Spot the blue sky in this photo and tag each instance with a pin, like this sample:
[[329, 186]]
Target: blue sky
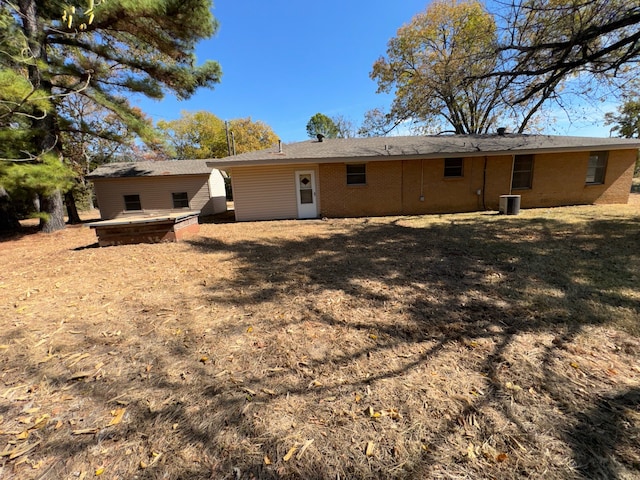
[[284, 61]]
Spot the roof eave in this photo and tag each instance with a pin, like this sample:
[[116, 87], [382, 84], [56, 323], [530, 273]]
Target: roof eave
[[116, 177], [283, 160]]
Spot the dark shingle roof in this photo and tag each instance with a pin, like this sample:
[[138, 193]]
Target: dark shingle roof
[[437, 146], [151, 169]]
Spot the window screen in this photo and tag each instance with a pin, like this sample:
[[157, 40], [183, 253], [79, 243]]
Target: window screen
[[132, 202], [453, 167], [522, 172], [180, 200], [356, 174], [596, 168]]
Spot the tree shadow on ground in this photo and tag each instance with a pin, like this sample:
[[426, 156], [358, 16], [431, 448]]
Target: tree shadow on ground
[[605, 438], [412, 338], [452, 283]]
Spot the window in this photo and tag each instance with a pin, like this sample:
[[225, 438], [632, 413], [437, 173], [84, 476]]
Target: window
[[453, 167], [597, 167], [132, 202], [180, 200], [356, 174], [522, 172]]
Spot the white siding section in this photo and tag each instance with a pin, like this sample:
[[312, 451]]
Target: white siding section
[[217, 192], [267, 192], [155, 193]]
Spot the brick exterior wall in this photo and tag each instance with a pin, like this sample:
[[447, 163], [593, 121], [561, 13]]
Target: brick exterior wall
[[396, 187], [382, 195]]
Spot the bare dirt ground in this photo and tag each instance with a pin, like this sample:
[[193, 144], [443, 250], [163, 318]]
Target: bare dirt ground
[[445, 346]]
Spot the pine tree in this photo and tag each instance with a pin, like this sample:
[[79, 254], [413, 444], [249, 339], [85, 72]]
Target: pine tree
[[101, 51]]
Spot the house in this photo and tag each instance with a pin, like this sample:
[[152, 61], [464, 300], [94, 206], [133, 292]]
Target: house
[[164, 186], [427, 174]]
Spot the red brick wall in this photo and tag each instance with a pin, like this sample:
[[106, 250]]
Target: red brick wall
[[395, 187], [559, 179], [382, 195]]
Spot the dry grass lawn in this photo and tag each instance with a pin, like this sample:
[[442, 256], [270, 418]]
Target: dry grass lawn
[[451, 346]]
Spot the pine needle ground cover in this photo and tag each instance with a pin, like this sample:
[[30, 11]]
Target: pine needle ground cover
[[453, 346]]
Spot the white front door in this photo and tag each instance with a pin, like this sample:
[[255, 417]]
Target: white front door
[[306, 194]]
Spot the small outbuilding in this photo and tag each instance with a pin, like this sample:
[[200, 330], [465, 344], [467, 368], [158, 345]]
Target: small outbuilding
[[427, 174], [134, 188]]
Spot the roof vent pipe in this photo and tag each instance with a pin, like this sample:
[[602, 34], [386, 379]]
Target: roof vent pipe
[[502, 131], [320, 137], [279, 146]]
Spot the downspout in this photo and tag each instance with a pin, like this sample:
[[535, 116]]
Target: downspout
[[402, 187], [513, 166], [484, 183], [422, 180]]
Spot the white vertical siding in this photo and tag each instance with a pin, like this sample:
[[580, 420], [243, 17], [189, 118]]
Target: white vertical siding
[[217, 193], [155, 192], [267, 192]]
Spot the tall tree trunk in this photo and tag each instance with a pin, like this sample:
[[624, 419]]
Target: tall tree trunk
[[45, 122], [72, 209], [8, 218], [54, 208]]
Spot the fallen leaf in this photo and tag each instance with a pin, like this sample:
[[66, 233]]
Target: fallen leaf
[[250, 329], [368, 451], [393, 413], [118, 413], [41, 421], [23, 435], [204, 359], [99, 471], [267, 460], [501, 457], [574, 365], [373, 336], [372, 413], [289, 454]]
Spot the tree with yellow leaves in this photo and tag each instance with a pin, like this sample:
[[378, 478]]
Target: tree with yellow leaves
[[429, 62], [204, 135]]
